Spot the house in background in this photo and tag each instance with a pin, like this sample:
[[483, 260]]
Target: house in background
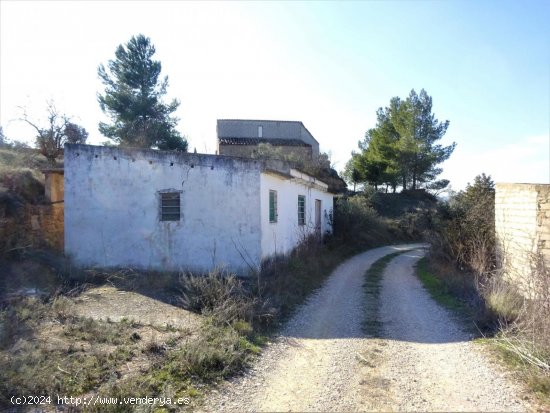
[[145, 208], [239, 137]]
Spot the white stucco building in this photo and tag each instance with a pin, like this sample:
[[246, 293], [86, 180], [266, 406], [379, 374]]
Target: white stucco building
[[172, 211]]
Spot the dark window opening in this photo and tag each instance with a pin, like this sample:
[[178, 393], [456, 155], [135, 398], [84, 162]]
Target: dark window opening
[[170, 206]]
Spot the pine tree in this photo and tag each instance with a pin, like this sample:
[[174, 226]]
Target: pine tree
[[133, 99], [403, 147]]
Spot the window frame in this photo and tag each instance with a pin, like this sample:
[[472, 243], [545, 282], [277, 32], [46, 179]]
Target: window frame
[[166, 197], [301, 210], [273, 215]]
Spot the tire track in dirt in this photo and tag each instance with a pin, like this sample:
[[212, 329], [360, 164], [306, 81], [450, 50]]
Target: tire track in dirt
[[425, 360], [312, 365], [322, 361]]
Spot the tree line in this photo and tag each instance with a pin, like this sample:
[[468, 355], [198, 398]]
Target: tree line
[[132, 100], [402, 150]]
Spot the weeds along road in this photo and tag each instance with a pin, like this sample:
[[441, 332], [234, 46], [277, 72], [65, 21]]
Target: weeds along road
[[323, 361]]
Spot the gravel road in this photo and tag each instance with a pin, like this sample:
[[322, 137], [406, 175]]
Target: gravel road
[[425, 361], [322, 360]]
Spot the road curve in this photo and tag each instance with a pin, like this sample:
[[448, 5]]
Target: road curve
[[322, 360]]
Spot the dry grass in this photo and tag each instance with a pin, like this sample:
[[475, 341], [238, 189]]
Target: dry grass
[[504, 300], [46, 350], [525, 314], [269, 296], [218, 294]]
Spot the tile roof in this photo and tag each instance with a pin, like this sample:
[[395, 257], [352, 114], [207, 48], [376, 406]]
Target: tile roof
[[256, 141]]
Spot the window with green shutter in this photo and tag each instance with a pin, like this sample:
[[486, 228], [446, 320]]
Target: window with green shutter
[[301, 210], [272, 206]]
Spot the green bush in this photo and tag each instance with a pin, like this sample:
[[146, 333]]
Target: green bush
[[356, 222], [465, 228]]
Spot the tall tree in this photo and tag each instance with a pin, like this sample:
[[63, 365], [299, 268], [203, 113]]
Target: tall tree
[[133, 99], [403, 145], [419, 132], [378, 160]]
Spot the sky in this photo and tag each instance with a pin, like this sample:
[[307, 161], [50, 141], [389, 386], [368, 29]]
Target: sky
[[331, 65]]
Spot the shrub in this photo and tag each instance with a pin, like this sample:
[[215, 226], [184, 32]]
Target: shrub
[[218, 352], [219, 294], [465, 228], [355, 221]]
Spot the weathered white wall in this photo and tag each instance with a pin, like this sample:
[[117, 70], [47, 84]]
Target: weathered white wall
[[112, 209], [522, 224], [285, 234]]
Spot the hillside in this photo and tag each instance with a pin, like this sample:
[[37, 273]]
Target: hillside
[[397, 205], [21, 174]]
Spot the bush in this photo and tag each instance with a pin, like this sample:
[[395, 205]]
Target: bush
[[219, 294], [218, 352], [465, 229], [356, 222]]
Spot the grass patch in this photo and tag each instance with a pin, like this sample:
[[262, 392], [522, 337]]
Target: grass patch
[[372, 287], [470, 317], [47, 351], [71, 358], [185, 369], [437, 288]]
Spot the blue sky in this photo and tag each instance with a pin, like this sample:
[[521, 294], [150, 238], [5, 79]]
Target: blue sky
[[329, 64]]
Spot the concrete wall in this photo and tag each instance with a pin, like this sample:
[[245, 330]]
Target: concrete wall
[[522, 223], [246, 151], [112, 209], [244, 128], [282, 236]]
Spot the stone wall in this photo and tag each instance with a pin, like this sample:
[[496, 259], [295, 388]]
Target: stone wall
[[522, 223]]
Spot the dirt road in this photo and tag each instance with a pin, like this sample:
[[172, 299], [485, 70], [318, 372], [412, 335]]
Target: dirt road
[[322, 360]]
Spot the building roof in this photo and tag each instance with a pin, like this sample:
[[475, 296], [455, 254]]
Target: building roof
[[296, 122], [256, 141]]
